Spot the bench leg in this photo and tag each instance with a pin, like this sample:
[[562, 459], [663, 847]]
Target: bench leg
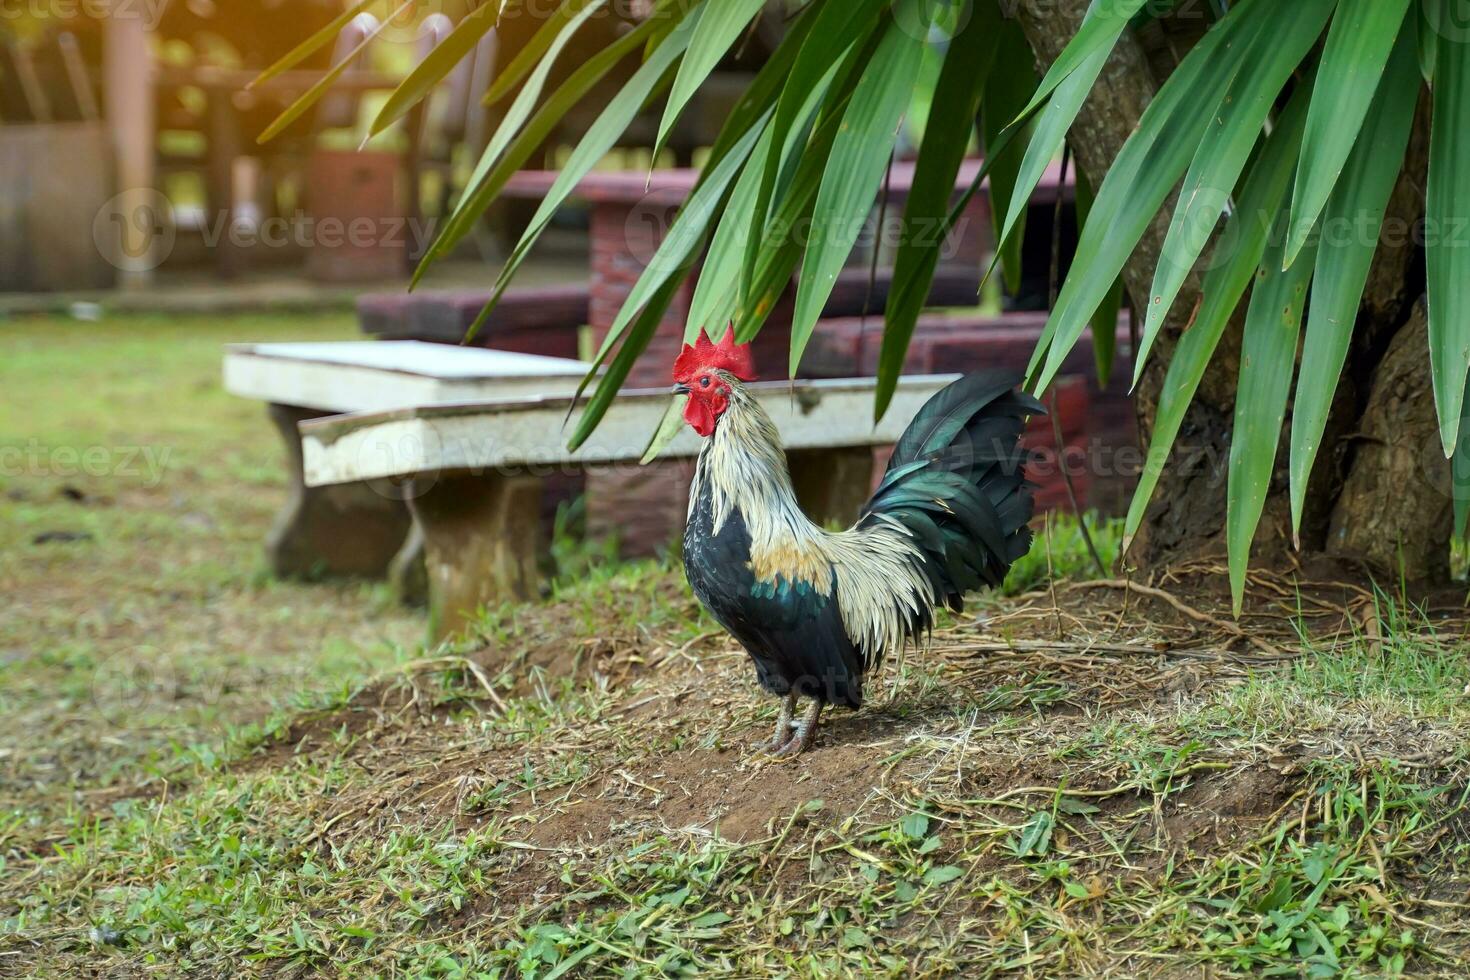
[[832, 484], [349, 529], [480, 544]]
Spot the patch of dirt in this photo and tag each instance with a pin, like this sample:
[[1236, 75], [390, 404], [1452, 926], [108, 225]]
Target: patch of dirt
[[1223, 808], [718, 791]]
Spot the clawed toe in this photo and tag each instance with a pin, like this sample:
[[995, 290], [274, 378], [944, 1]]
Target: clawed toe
[[793, 748], [772, 746]]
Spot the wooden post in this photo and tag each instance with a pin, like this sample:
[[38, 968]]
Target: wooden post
[[225, 145], [127, 73], [832, 484], [481, 539], [348, 529]]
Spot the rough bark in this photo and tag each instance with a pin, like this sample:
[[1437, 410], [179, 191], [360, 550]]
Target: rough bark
[[1395, 511]]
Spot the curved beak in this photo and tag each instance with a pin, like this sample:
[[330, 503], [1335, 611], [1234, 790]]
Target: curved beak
[[680, 389]]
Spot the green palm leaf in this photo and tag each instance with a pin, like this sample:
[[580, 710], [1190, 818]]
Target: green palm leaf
[[432, 71], [1099, 31], [718, 27], [1238, 255], [1011, 83], [600, 138], [968, 65], [853, 173], [1233, 129], [1145, 171], [731, 149], [716, 291], [1349, 239], [782, 248], [680, 247], [1428, 40], [839, 27], [742, 130], [1268, 357], [1358, 46], [1105, 320], [1048, 134], [477, 197], [508, 75], [520, 110], [610, 382], [314, 94], [313, 44], [1447, 259], [1460, 473]]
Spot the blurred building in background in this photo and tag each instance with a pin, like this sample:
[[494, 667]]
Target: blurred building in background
[[128, 136]]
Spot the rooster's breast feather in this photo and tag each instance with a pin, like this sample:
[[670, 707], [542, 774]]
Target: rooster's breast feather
[[791, 625]]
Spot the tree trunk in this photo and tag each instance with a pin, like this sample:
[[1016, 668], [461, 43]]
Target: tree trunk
[[1377, 404], [1395, 512]]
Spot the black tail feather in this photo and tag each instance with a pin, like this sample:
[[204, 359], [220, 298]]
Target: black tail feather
[[956, 482]]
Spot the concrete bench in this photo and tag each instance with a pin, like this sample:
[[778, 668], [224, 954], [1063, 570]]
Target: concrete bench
[[362, 528], [474, 471]]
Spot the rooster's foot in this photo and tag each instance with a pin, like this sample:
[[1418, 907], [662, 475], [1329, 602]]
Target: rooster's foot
[[784, 733], [803, 734]]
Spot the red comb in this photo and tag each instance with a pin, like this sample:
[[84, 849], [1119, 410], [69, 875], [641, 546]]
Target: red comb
[[724, 356]]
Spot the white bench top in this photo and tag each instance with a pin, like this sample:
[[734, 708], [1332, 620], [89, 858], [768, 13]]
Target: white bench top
[[378, 375], [524, 433]]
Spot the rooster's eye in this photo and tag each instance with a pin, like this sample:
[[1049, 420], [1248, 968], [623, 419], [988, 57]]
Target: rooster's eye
[[704, 381]]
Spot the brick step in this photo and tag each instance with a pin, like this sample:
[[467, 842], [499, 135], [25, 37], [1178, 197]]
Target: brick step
[[543, 320]]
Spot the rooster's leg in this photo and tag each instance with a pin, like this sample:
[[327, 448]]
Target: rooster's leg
[[783, 726], [805, 732]]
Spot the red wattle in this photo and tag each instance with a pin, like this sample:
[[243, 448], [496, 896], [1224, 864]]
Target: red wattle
[[700, 417]]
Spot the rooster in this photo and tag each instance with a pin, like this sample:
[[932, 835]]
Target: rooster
[[818, 610]]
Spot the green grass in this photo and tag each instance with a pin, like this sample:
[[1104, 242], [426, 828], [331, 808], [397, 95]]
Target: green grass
[[1060, 551], [1351, 867], [156, 623], [207, 772]]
